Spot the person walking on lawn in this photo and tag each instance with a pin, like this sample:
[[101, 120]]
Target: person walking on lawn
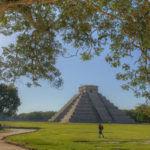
[[100, 126]]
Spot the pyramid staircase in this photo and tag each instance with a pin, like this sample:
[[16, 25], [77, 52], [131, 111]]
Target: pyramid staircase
[[60, 114]]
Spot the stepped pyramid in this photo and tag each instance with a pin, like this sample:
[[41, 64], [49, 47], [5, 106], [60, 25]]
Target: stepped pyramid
[[91, 107]]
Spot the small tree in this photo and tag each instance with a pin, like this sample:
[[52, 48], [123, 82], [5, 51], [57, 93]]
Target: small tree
[[9, 100], [143, 113]]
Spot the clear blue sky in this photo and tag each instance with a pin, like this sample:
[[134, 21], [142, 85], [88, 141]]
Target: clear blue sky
[[75, 73]]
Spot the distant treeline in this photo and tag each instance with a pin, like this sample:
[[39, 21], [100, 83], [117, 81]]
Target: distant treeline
[[36, 116], [140, 114], [32, 116]]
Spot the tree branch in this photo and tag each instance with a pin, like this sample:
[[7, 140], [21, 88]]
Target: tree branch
[[6, 5], [102, 12]]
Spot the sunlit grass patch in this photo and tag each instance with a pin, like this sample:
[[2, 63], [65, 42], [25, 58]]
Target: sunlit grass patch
[[75, 136]]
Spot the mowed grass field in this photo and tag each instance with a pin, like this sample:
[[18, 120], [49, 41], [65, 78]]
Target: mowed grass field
[[74, 136]]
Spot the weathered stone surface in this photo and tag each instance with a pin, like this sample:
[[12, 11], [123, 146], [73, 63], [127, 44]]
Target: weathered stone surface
[[60, 114], [90, 106]]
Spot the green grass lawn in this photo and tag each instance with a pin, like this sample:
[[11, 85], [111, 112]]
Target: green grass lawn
[[55, 136]]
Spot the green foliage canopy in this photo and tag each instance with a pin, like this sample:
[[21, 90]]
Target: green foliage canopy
[[143, 113], [9, 100], [36, 49], [86, 24], [140, 114]]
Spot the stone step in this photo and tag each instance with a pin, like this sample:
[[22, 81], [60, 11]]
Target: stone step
[[71, 111], [59, 115], [84, 119], [84, 109], [83, 115], [100, 107], [84, 106], [117, 115]]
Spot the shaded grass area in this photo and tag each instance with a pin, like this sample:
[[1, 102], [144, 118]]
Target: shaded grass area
[[4, 130], [73, 136]]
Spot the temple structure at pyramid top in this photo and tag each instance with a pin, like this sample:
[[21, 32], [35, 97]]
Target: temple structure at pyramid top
[[88, 88], [89, 106]]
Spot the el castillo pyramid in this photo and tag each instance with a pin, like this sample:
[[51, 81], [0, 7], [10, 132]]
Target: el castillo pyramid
[[89, 106]]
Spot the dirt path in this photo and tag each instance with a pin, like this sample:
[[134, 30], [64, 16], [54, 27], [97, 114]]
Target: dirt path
[[6, 146]]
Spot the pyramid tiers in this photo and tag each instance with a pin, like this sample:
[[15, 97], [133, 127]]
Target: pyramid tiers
[[89, 106]]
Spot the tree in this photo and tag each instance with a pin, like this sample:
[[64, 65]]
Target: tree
[[35, 53], [36, 116], [86, 24], [143, 113], [9, 100], [124, 25], [132, 114]]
